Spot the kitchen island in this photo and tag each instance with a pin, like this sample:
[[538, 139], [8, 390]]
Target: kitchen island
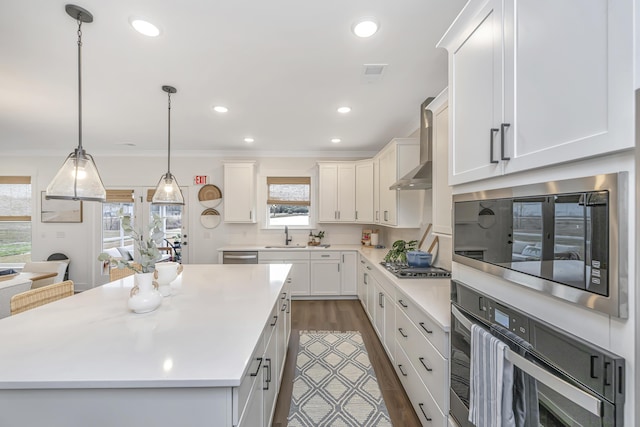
[[87, 360]]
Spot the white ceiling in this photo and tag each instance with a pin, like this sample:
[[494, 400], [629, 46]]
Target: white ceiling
[[282, 67]]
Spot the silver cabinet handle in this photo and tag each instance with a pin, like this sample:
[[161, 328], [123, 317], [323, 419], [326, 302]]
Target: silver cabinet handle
[[377, 215], [250, 214], [421, 359], [402, 303], [365, 279], [402, 332], [356, 215]]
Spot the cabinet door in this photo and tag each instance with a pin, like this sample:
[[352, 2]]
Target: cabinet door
[[239, 192], [476, 79], [376, 191], [349, 273], [364, 192], [346, 191], [389, 325], [327, 193], [379, 310], [270, 377], [372, 296], [577, 102], [254, 411], [299, 278], [325, 277], [441, 194], [388, 198]]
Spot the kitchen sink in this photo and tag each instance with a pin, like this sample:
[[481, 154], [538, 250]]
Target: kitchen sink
[[285, 247]]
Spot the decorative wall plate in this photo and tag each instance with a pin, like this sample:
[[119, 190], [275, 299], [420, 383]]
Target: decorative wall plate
[[210, 218], [210, 196]]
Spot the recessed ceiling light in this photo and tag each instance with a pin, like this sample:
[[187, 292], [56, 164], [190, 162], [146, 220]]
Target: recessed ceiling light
[[249, 140], [365, 27], [344, 110], [220, 109], [145, 27], [336, 140]]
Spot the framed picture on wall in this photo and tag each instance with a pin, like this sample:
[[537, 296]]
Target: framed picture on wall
[[60, 210]]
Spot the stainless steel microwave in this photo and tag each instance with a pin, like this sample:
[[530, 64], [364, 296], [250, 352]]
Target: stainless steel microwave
[[565, 238]]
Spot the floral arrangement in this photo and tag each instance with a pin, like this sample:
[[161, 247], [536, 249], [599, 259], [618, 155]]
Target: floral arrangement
[[147, 250], [314, 239]]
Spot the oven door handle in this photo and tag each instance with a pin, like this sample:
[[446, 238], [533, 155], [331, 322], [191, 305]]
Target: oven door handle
[[569, 391]]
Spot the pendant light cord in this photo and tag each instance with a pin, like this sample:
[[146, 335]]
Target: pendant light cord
[[169, 136], [79, 85]]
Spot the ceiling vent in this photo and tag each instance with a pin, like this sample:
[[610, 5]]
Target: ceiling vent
[[372, 72]]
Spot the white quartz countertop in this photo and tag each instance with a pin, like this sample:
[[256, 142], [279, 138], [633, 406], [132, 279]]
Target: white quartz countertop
[[296, 248], [432, 295], [202, 335]]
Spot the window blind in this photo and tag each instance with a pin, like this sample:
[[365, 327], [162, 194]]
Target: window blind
[[15, 198], [119, 196], [289, 190]]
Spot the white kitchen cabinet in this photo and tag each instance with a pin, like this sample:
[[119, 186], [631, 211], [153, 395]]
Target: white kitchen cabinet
[[349, 273], [239, 193], [534, 83], [385, 317], [298, 280], [441, 193], [325, 273], [364, 192], [400, 209], [337, 192], [376, 190], [270, 373]]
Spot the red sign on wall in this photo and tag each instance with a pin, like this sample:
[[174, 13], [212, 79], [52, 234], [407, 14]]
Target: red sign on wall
[[200, 179]]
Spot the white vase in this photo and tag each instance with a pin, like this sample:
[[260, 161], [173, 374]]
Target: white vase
[[144, 296], [165, 273]]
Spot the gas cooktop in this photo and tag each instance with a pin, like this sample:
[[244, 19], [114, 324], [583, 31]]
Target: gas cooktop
[[403, 271]]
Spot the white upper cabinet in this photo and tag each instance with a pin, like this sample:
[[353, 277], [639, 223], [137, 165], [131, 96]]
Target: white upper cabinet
[[239, 192], [441, 192], [337, 192], [399, 208], [364, 192], [376, 190], [538, 82]]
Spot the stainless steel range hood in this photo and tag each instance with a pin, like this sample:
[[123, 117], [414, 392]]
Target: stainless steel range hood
[[421, 177]]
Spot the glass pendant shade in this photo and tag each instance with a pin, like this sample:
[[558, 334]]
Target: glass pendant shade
[[168, 192], [77, 179]]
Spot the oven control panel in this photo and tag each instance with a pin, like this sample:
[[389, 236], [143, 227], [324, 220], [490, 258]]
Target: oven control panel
[[509, 319]]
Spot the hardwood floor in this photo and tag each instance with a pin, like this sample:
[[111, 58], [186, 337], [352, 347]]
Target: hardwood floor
[[343, 315]]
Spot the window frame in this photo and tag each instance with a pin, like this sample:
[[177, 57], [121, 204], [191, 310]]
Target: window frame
[[264, 198], [21, 180]]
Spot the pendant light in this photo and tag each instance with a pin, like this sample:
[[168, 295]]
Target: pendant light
[[78, 178], [168, 192]]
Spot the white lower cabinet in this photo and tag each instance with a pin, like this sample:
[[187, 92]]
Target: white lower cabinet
[[299, 275], [416, 345], [259, 389], [348, 273], [325, 273]]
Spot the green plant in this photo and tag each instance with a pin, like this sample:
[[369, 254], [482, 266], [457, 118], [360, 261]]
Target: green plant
[[320, 235], [147, 250], [399, 249]]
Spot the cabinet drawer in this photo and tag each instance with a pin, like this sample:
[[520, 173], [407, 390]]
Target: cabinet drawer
[[283, 255], [254, 372], [421, 400], [430, 329], [430, 366], [325, 255]]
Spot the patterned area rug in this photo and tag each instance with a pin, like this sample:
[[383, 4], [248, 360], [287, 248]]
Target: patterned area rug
[[334, 384]]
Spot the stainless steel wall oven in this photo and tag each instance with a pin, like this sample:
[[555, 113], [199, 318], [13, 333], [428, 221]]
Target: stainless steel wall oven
[[565, 238], [564, 381]]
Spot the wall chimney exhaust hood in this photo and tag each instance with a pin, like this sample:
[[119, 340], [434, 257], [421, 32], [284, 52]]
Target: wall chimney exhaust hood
[[421, 177]]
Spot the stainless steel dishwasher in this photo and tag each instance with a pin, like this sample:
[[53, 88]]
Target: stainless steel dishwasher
[[240, 257]]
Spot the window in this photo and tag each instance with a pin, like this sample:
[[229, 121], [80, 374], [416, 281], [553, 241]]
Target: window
[[288, 201], [15, 218], [113, 236]]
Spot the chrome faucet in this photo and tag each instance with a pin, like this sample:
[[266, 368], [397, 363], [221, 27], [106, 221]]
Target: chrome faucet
[[287, 239]]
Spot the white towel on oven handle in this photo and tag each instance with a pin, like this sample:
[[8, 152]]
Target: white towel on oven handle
[[491, 388]]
